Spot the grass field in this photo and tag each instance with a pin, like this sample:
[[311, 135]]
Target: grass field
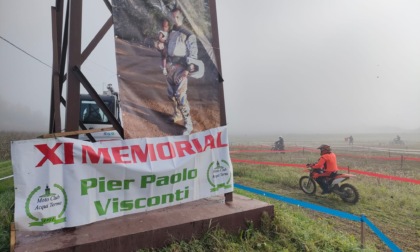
[[6, 186], [394, 207]]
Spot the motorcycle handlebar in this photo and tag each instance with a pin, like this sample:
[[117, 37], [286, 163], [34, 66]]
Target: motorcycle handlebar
[[311, 169]]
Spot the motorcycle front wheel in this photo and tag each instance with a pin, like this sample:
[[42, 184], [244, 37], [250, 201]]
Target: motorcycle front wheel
[[349, 193], [307, 185]]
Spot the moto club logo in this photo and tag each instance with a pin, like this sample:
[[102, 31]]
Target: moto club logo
[[219, 176], [46, 206]]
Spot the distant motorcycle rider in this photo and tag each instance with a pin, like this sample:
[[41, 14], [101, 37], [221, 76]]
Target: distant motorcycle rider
[[279, 144], [327, 165]]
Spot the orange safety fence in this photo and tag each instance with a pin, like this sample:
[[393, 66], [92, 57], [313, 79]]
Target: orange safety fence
[[371, 174]]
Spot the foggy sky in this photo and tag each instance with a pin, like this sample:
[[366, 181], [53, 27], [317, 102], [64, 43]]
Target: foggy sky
[[289, 66]]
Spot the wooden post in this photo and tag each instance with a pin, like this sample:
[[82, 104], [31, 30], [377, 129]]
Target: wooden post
[[216, 48], [74, 59], [402, 161], [362, 231], [12, 237], [57, 23]]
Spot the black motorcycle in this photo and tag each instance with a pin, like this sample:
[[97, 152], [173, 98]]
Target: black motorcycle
[[277, 147]]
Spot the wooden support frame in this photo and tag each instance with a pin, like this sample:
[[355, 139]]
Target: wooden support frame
[[57, 23], [98, 101], [70, 40], [74, 59], [78, 132]]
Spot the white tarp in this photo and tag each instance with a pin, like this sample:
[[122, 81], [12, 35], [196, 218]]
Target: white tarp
[[66, 182]]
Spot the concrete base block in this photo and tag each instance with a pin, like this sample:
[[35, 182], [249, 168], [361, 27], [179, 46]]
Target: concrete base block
[[152, 229]]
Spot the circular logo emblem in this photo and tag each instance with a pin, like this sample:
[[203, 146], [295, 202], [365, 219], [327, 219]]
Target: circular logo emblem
[[47, 206], [219, 176]]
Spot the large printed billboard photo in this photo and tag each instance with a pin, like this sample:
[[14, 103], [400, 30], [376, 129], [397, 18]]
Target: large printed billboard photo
[[169, 81]]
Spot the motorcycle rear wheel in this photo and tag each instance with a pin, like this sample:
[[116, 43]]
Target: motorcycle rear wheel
[[307, 185], [349, 193]]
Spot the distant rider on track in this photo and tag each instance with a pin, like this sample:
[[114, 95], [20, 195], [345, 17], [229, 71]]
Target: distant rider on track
[[279, 144]]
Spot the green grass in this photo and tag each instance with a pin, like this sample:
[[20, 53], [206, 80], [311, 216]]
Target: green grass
[[394, 207], [5, 171], [6, 139], [7, 196], [292, 229]]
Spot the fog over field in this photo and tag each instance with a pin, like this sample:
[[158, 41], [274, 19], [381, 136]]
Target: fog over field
[[289, 67]]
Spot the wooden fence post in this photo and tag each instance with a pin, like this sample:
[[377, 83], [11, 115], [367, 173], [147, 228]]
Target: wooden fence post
[[362, 231]]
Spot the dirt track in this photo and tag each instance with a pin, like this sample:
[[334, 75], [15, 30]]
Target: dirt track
[[145, 106]]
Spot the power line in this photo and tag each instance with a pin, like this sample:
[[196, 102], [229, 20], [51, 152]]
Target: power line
[[20, 49], [25, 52]]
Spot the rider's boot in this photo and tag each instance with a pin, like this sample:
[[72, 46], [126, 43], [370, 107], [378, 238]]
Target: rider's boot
[[187, 122], [188, 126], [323, 184], [177, 116]]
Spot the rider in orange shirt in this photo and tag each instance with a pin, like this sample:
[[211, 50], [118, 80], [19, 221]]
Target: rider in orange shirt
[[327, 165]]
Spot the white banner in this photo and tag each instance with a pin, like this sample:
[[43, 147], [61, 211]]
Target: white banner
[[66, 182]]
